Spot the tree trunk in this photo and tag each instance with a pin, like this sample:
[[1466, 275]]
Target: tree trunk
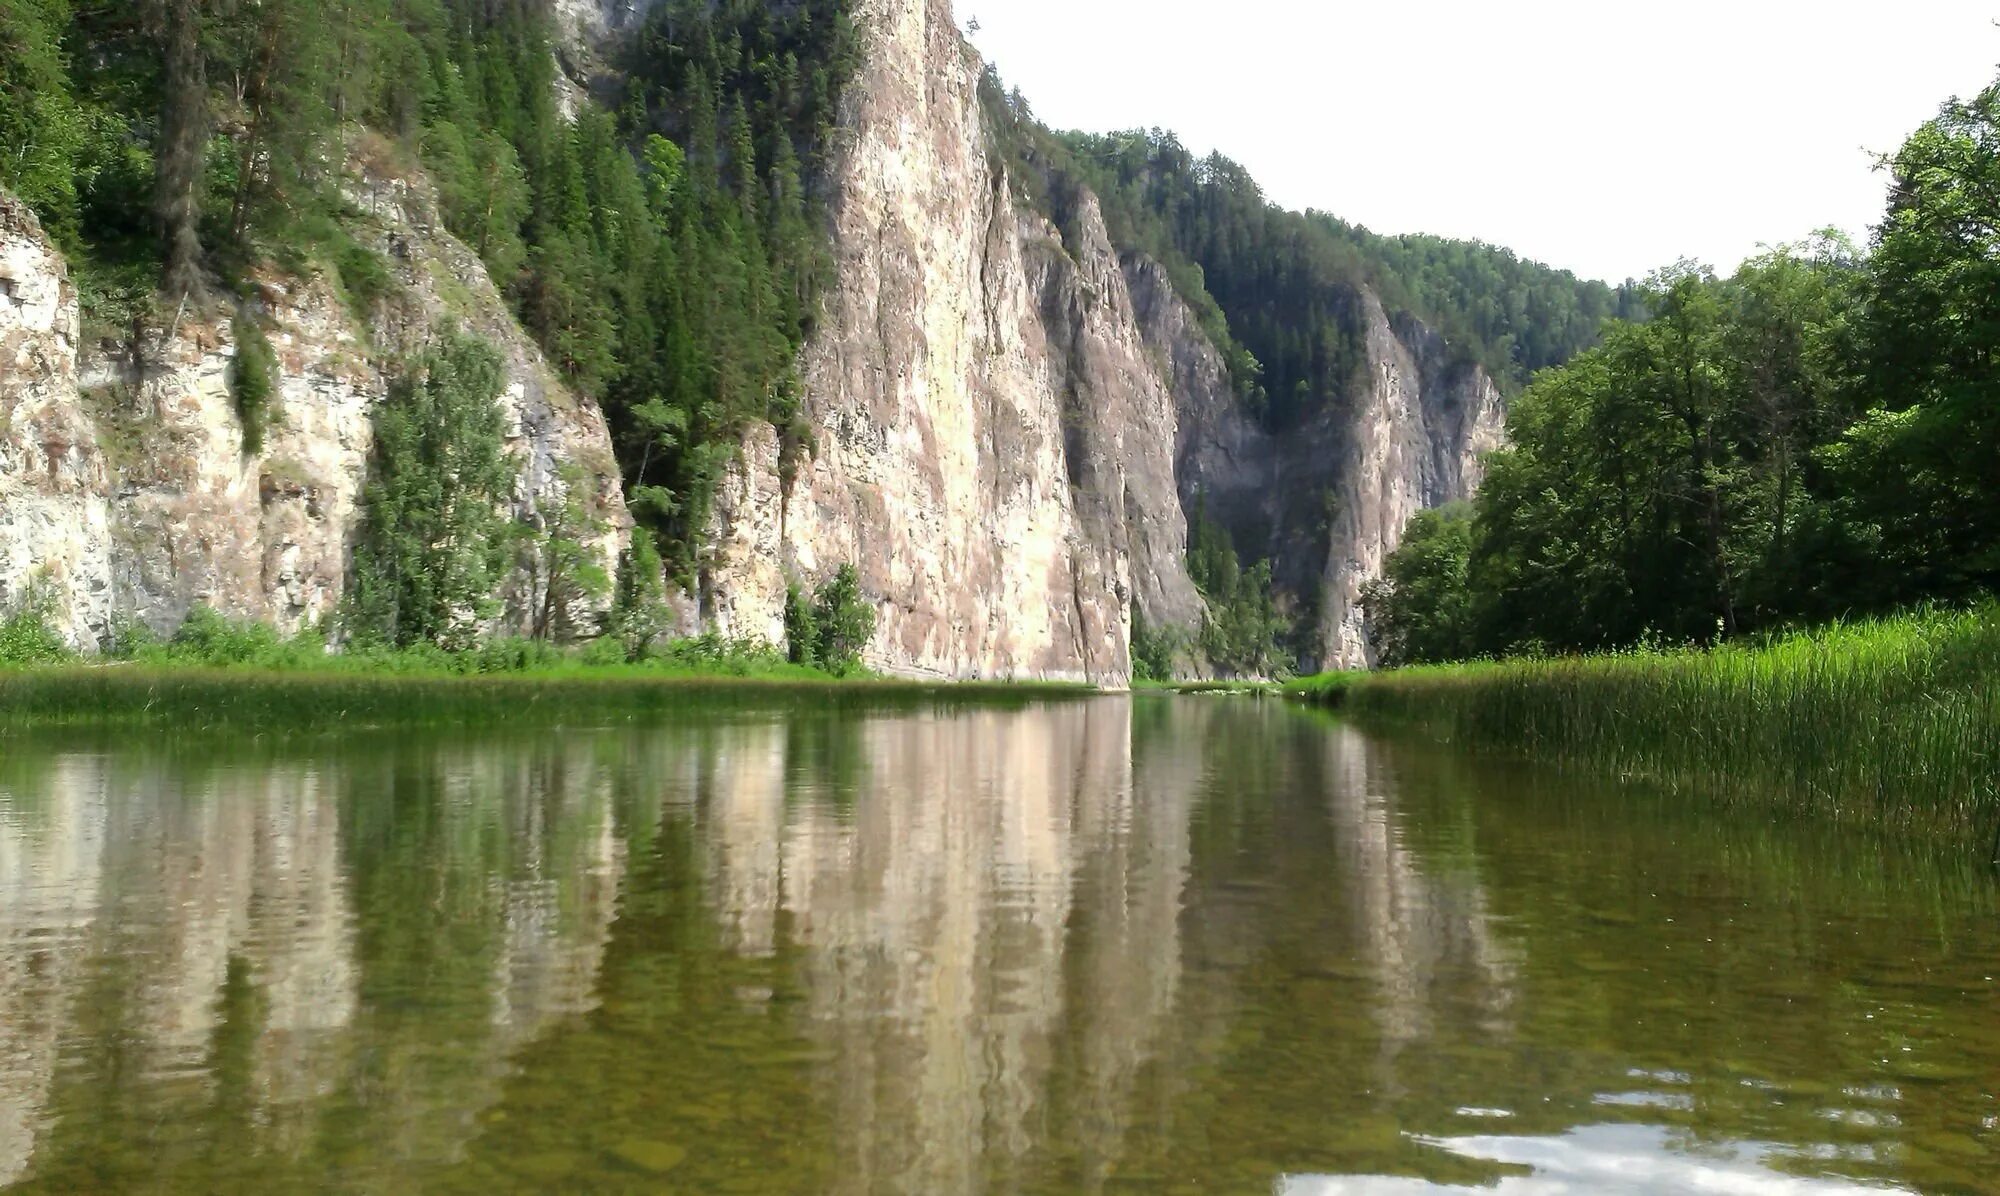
[[256, 97], [183, 144]]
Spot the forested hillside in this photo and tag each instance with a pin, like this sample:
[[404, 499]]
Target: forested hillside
[[1814, 436], [663, 250], [1281, 291]]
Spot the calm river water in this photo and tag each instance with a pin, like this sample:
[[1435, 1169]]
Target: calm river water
[[1149, 944]]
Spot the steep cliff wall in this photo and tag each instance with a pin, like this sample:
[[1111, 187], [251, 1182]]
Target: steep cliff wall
[[125, 483], [1413, 441], [1327, 501], [1014, 419], [55, 525], [994, 444]]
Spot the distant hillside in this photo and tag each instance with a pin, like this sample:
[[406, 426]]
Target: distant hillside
[[1281, 291]]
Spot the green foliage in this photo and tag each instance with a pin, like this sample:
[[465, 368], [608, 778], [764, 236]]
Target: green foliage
[[206, 637], [433, 544], [417, 688], [26, 637], [801, 627], [252, 380], [1281, 293], [842, 620], [1420, 610], [1512, 317], [562, 558], [365, 279], [1894, 723], [1154, 649], [41, 125], [830, 630], [1816, 436], [715, 287], [1916, 475], [1325, 689], [1242, 632], [640, 617], [1664, 487], [667, 258]]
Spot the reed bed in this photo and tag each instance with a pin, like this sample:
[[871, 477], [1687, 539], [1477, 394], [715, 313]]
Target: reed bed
[[1325, 689], [1892, 722]]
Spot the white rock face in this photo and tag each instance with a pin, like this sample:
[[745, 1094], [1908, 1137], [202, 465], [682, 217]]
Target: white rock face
[[1326, 502], [994, 445], [1013, 418], [125, 483], [1414, 442], [54, 519]]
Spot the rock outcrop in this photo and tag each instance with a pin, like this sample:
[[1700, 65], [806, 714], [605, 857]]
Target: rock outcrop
[[994, 445], [1016, 419], [1327, 501], [126, 486], [55, 528]]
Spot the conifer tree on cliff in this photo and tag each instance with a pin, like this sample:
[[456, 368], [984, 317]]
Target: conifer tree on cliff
[[183, 142]]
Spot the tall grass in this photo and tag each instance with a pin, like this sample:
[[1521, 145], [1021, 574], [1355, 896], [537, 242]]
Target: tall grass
[[1892, 722], [1326, 689]]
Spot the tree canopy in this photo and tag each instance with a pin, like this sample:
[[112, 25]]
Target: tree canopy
[[1815, 436]]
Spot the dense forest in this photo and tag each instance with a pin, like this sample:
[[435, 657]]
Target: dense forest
[[664, 248], [1281, 292], [1815, 436]]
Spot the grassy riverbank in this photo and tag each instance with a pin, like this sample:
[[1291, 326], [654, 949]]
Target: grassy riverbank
[[218, 673], [1251, 687], [1894, 722], [314, 700]]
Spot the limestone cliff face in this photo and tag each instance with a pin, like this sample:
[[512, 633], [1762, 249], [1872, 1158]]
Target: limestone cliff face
[[1015, 419], [994, 444], [126, 489], [54, 492], [1326, 502], [1414, 441]]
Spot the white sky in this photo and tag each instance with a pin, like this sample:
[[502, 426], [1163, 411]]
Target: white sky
[[1605, 136]]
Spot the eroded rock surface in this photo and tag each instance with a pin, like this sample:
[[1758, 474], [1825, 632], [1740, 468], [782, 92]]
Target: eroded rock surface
[[994, 447], [126, 486]]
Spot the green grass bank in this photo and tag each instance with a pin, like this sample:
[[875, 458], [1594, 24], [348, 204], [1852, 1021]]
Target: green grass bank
[[307, 701], [219, 673], [1893, 723]]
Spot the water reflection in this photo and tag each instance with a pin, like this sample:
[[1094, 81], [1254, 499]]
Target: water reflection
[[1172, 945], [1598, 1158]]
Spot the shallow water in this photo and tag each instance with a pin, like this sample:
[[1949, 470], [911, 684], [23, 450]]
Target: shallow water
[[1175, 944]]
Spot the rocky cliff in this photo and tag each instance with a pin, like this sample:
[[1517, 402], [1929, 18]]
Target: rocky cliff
[[1327, 501], [994, 443], [1014, 417], [126, 486]]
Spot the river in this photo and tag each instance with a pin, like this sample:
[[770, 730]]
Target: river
[[1111, 944]]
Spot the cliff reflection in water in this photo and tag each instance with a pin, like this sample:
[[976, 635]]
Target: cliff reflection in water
[[1150, 942]]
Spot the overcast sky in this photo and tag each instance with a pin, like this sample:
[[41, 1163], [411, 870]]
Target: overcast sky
[[1605, 136]]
